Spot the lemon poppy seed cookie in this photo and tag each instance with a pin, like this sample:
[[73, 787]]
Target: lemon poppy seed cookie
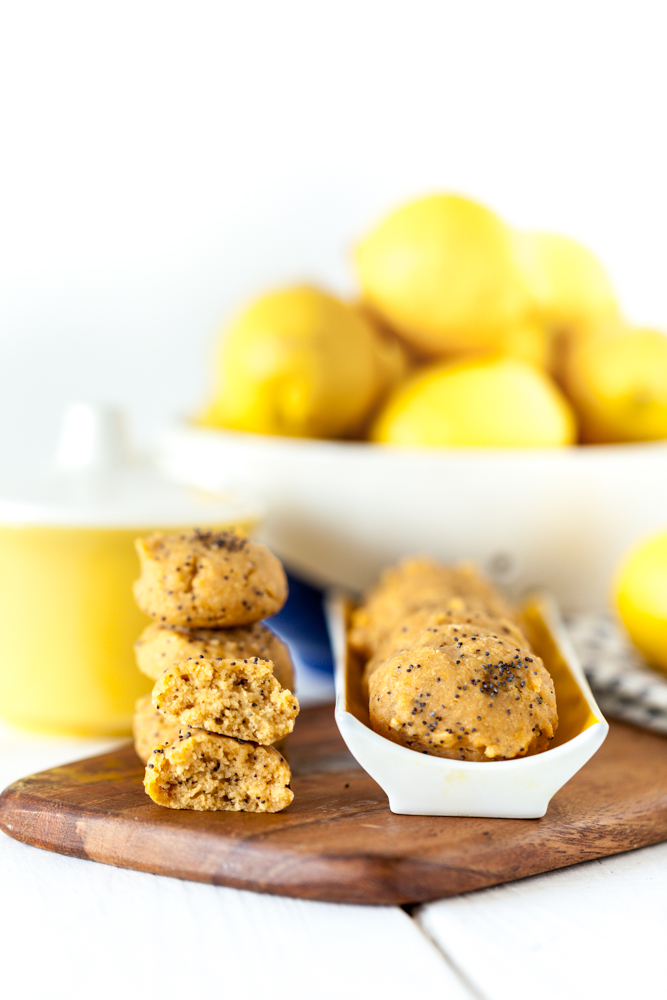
[[204, 771], [413, 585], [159, 646], [150, 728], [239, 698], [468, 694], [420, 628], [207, 579]]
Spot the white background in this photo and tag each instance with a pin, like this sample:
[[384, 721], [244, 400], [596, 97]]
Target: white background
[[159, 163], [162, 162]]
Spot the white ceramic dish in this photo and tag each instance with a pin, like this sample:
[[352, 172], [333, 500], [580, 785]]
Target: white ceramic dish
[[338, 512], [417, 784]]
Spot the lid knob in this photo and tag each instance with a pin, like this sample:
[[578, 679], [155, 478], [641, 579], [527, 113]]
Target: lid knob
[[92, 437]]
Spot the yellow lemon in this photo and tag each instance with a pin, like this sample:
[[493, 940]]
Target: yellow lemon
[[573, 295], [529, 340], [568, 283], [443, 272], [488, 402], [640, 592], [392, 356], [618, 386], [297, 362]]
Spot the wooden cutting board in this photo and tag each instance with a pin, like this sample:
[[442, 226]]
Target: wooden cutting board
[[338, 840]]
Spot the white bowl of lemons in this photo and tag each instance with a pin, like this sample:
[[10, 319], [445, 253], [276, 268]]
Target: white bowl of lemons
[[445, 412]]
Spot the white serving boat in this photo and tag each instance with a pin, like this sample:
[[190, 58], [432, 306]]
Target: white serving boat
[[419, 784]]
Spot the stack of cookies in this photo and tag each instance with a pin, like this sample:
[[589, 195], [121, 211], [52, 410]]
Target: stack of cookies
[[448, 668], [223, 680]]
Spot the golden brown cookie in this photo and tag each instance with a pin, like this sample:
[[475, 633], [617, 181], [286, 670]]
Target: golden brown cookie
[[239, 698], [208, 579], [465, 693], [159, 646], [204, 771], [419, 627], [150, 728], [420, 583]]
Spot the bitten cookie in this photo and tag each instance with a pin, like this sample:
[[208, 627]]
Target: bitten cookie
[[159, 646], [150, 728], [207, 579], [465, 693], [239, 698], [204, 771], [415, 584]]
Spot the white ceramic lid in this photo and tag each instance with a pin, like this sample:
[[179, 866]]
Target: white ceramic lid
[[95, 481]]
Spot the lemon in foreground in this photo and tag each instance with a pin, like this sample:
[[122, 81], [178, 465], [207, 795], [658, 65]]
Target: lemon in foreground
[[568, 283], [489, 402], [640, 591], [618, 386], [443, 272], [298, 362]]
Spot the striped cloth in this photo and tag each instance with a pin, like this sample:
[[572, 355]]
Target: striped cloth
[[624, 686]]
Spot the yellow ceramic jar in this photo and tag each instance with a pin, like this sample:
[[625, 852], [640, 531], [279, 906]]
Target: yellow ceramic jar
[[67, 562]]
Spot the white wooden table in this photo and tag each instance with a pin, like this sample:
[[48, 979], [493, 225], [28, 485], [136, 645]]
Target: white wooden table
[[76, 929]]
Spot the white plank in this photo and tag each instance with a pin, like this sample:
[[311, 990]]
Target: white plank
[[71, 929], [593, 930]]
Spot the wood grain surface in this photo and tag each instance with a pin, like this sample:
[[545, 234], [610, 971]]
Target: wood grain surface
[[338, 840]]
